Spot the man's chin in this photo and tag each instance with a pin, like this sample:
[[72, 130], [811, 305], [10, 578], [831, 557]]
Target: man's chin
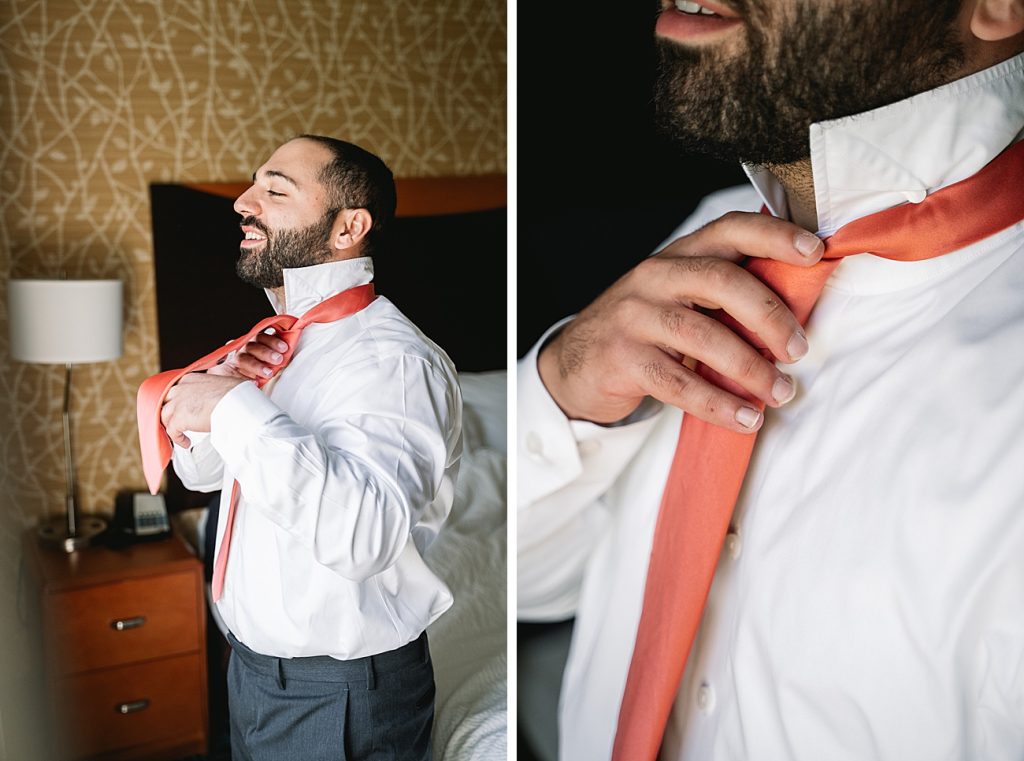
[[257, 282], [255, 277], [708, 126], [732, 152]]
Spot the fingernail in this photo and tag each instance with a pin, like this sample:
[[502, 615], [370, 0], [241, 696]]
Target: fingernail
[[797, 345], [807, 243], [748, 417], [783, 390], [275, 357], [282, 346], [267, 371]]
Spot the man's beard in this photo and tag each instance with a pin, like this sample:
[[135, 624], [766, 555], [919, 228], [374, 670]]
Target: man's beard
[[823, 61], [265, 267]]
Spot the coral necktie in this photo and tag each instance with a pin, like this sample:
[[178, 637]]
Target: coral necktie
[[710, 462], [153, 440]]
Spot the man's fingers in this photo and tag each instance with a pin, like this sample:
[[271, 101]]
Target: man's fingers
[[720, 284], [252, 367], [704, 338], [672, 383], [167, 420], [740, 234], [753, 304], [271, 342], [262, 352], [261, 357]]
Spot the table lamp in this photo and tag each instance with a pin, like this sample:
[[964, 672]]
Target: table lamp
[[66, 322]]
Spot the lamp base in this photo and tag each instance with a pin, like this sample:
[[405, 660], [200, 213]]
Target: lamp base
[[54, 532]]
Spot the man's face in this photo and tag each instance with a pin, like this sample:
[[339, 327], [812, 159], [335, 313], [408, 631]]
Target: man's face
[[748, 82], [285, 216]]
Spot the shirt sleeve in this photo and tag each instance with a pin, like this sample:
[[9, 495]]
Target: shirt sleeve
[[351, 489], [565, 468], [199, 467]]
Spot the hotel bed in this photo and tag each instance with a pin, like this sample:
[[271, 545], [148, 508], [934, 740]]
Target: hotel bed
[[447, 272]]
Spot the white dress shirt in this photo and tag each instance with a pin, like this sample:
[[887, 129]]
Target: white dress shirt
[[347, 471], [869, 602]]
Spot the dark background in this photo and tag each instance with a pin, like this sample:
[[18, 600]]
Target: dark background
[[598, 187], [201, 303]]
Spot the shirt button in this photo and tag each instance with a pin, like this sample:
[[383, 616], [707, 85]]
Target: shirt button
[[733, 545], [534, 445], [589, 447], [705, 698]]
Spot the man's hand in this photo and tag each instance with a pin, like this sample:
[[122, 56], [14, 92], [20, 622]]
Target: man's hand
[[190, 403], [632, 340], [257, 360]]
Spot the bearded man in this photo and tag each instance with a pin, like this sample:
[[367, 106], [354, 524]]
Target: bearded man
[[863, 592], [335, 476]]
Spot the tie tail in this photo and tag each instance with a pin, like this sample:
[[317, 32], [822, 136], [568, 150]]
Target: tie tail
[[153, 442], [153, 479]]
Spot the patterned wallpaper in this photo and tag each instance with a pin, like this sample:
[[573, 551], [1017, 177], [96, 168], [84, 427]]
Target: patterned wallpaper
[[99, 99]]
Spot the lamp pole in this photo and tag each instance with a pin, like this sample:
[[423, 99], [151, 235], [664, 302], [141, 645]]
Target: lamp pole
[[68, 532], [69, 463]]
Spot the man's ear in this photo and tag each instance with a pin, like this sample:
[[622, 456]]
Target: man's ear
[[995, 20], [348, 231]]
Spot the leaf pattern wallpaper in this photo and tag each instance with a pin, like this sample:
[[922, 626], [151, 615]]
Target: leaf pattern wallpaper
[[100, 98]]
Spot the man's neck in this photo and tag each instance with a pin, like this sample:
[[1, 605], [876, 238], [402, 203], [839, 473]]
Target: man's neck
[[279, 295], [798, 182]]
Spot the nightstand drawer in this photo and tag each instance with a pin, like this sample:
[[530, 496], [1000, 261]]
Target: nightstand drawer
[[134, 706], [126, 621]]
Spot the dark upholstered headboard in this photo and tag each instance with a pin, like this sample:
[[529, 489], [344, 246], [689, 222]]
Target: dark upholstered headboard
[[444, 268]]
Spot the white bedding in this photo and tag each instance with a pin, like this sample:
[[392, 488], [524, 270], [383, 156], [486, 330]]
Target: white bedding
[[467, 644]]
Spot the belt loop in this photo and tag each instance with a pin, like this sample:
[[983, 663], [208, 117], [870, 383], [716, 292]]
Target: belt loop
[[280, 672], [371, 676]]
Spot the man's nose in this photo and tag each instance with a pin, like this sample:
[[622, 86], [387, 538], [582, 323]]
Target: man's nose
[[246, 204]]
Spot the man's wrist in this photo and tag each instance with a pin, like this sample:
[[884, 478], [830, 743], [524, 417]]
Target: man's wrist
[[551, 373], [554, 381]]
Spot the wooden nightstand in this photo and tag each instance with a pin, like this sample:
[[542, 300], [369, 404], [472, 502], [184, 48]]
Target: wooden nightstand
[[124, 648]]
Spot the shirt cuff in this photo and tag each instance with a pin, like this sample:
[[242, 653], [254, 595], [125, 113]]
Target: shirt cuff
[[196, 437], [553, 450], [548, 456], [239, 416]]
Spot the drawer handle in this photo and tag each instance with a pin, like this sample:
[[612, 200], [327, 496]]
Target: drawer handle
[[123, 624], [132, 706]]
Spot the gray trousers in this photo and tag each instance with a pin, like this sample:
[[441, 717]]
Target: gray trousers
[[322, 709]]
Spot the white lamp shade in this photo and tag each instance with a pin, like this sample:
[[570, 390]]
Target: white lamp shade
[[65, 321]]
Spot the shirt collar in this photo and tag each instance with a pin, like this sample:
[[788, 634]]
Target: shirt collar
[[305, 287], [901, 152]]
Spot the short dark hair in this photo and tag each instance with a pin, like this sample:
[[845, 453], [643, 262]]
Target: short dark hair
[[357, 179]]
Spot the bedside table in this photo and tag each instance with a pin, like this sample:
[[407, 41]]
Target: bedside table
[[124, 648]]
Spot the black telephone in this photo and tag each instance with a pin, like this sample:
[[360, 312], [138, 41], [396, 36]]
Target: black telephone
[[140, 517]]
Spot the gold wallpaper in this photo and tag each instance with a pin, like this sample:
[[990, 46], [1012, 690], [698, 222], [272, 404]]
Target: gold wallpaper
[[99, 98]]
